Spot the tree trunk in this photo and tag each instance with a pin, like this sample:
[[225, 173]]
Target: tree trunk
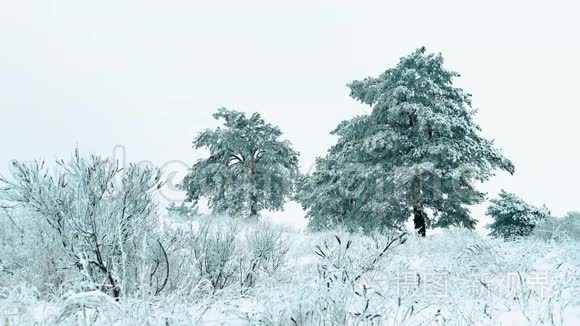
[[419, 220], [116, 289], [253, 196], [419, 215], [253, 206]]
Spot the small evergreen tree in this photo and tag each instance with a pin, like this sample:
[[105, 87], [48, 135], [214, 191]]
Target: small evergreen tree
[[418, 151], [513, 217], [249, 168], [182, 210]]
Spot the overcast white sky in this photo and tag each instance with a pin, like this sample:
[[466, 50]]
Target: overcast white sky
[[148, 75]]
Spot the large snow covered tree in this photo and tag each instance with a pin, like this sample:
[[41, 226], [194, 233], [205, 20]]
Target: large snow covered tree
[[249, 167], [418, 152], [513, 217]]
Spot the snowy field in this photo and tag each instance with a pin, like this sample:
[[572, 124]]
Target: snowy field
[[223, 272]]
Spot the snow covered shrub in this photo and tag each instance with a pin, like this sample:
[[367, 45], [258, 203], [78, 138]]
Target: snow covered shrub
[[214, 247], [549, 229], [513, 217], [101, 216], [87, 306], [267, 247], [346, 289], [213, 253], [571, 225], [28, 254], [20, 305], [559, 229]]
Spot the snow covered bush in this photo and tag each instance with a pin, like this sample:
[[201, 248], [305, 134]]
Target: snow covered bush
[[266, 253], [102, 217], [571, 225], [214, 248], [343, 289], [559, 229], [268, 247], [221, 252], [29, 254], [513, 217]]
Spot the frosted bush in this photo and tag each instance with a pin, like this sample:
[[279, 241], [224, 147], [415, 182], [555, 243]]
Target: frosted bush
[[99, 215], [267, 249], [559, 229], [345, 289], [29, 254], [214, 247]]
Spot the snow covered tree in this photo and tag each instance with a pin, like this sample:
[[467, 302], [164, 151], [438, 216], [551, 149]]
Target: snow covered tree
[[513, 217], [349, 193], [249, 168], [417, 153]]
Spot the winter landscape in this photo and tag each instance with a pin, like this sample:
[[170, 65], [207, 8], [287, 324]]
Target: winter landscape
[[404, 211]]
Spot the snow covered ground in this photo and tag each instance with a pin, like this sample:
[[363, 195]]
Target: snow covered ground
[[453, 277]]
